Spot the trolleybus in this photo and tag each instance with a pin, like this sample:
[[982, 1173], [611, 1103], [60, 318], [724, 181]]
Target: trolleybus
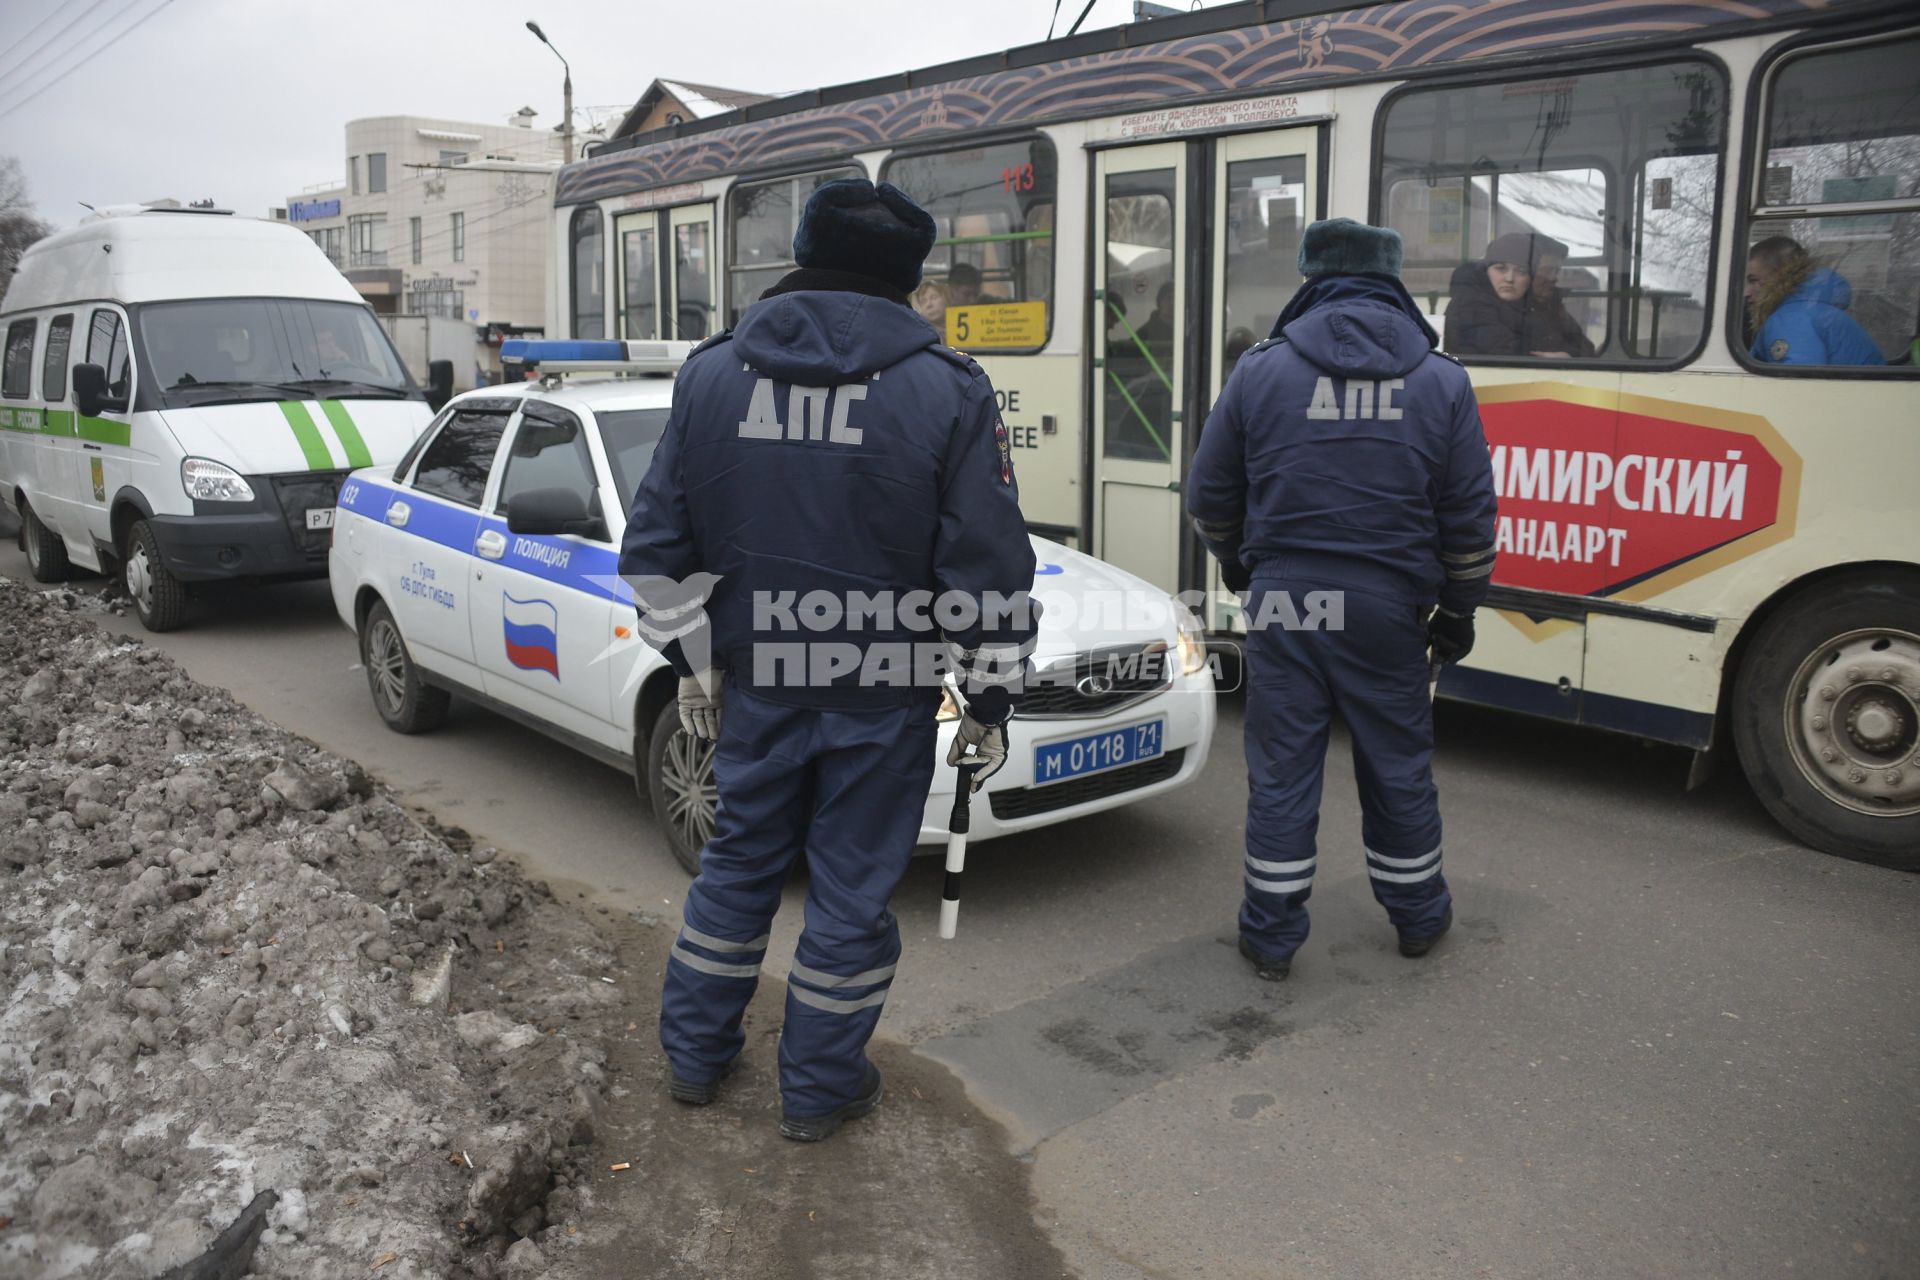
[[1703, 539]]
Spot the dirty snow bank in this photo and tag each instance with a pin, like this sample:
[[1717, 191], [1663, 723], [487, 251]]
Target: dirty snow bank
[[229, 963]]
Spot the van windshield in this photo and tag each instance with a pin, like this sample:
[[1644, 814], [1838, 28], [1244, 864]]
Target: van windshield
[[224, 349]]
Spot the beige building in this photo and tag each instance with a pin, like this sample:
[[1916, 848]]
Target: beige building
[[445, 219]]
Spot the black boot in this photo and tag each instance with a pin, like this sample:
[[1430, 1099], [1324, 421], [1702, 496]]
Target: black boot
[[1265, 968], [817, 1128], [1414, 948], [698, 1093]]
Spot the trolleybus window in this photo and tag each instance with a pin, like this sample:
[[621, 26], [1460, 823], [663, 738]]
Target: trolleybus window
[[1505, 193], [586, 270], [764, 216], [1832, 272], [989, 280], [1137, 300]]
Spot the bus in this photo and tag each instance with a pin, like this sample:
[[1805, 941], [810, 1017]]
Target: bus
[[1704, 539]]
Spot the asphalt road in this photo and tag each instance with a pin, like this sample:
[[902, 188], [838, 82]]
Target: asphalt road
[[1664, 1040]]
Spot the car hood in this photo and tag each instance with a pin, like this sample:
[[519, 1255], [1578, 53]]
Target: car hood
[[1088, 604], [268, 437]]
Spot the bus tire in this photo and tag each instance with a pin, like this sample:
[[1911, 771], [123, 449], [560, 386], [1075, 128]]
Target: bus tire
[[1826, 718], [159, 599], [46, 552], [406, 702], [681, 787]]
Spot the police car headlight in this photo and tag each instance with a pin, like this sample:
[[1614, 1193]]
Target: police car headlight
[[1193, 644], [209, 481]]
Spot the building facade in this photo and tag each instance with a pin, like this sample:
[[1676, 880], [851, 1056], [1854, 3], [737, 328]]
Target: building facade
[[444, 219]]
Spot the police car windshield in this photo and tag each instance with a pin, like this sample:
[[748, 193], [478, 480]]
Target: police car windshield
[[223, 349], [630, 435]]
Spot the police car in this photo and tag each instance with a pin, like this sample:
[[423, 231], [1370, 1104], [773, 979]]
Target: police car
[[485, 566]]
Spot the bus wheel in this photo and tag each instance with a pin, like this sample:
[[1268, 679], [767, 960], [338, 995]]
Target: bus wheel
[[158, 597], [46, 553], [1826, 719], [680, 783]]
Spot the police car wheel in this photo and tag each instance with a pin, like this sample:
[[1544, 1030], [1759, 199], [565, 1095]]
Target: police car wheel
[[680, 784], [46, 553], [159, 598], [1826, 718], [405, 702]]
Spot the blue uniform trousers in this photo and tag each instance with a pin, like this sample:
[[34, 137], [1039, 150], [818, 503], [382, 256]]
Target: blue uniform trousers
[[848, 789], [1373, 674]]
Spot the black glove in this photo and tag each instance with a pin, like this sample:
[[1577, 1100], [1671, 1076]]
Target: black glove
[[1235, 575], [1450, 634]]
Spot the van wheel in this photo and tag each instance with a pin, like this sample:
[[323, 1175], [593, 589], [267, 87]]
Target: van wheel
[[46, 553], [1826, 719], [158, 597], [407, 703], [681, 786]]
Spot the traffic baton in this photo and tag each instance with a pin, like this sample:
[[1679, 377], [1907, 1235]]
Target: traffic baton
[[957, 823], [1433, 678]]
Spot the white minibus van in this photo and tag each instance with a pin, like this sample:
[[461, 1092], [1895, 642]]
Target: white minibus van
[[183, 392]]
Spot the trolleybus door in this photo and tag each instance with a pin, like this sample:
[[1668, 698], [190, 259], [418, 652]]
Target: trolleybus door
[[1264, 191], [668, 283], [1138, 335], [638, 298]]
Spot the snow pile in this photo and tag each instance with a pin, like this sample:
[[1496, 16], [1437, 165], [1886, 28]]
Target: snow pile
[[230, 963]]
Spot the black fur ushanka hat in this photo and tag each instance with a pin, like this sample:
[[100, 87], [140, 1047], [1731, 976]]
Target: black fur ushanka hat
[[851, 225]]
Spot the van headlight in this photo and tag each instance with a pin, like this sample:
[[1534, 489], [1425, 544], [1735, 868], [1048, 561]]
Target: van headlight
[[1193, 644], [208, 481]]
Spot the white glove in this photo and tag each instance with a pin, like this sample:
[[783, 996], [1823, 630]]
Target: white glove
[[986, 742], [700, 709]]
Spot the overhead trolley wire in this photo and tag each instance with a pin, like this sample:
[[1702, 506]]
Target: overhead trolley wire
[[85, 51]]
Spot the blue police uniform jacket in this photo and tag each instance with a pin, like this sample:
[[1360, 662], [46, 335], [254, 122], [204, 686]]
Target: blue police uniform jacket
[[1348, 449], [1812, 326], [826, 453]]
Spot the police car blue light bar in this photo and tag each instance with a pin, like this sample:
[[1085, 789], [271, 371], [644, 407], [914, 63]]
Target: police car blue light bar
[[574, 355]]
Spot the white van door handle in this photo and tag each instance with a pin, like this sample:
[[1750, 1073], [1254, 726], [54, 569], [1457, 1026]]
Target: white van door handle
[[397, 513], [492, 544]]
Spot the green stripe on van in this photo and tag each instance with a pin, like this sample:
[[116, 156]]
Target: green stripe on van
[[105, 431], [311, 445], [357, 455], [56, 422]]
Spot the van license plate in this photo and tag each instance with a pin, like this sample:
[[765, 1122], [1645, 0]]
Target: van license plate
[[1098, 752], [320, 518]]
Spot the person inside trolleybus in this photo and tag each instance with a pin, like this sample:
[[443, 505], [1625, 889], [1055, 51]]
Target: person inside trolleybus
[[1489, 302], [1551, 329], [1797, 309]]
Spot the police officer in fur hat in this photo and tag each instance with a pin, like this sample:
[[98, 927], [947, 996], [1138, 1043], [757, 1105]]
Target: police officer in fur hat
[[1344, 474], [827, 446]]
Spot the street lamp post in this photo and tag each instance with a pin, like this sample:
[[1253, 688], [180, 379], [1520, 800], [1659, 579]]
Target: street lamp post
[[566, 106]]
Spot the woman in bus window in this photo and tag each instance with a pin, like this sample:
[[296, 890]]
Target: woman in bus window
[[1488, 301], [1798, 310]]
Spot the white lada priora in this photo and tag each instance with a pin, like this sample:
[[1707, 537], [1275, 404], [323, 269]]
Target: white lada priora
[[433, 567]]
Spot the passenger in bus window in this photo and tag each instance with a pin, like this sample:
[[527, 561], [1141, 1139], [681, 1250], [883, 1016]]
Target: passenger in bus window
[[1489, 301], [966, 287], [1157, 332], [930, 301], [1797, 309], [1551, 329]]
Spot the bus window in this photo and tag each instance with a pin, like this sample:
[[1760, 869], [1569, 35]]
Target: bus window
[[1538, 171], [1828, 281], [989, 280], [1266, 212], [1139, 300], [586, 270], [763, 217]]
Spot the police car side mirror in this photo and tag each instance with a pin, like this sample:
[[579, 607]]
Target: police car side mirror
[[90, 391], [553, 511], [439, 384]]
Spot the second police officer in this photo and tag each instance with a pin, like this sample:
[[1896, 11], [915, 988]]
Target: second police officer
[[1345, 456], [826, 448]]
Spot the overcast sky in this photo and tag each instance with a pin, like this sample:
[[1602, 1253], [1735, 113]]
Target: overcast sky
[[244, 101]]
